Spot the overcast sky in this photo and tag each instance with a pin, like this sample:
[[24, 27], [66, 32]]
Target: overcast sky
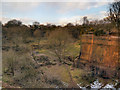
[[53, 12]]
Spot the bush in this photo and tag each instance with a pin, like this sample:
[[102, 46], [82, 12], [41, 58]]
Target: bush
[[42, 58], [99, 32], [6, 48], [18, 69], [54, 81]]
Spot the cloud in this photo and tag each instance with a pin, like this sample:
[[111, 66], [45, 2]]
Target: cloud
[[24, 7], [71, 6], [78, 19], [74, 19], [23, 20], [62, 21], [68, 5], [10, 9], [56, 0], [19, 6], [98, 16]]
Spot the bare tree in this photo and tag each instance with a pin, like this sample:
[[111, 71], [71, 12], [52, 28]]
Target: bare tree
[[58, 41], [114, 13], [85, 21]]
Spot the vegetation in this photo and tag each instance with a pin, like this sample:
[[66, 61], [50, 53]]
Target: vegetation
[[114, 13], [38, 56], [58, 40]]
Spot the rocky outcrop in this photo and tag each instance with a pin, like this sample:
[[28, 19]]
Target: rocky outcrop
[[99, 54], [102, 49]]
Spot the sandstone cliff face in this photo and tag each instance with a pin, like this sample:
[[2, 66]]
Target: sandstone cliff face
[[102, 49]]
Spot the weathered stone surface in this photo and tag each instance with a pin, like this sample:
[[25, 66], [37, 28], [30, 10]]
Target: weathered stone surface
[[99, 55], [102, 49]]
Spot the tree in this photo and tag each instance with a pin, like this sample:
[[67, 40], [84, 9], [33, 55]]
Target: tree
[[13, 22], [49, 25], [58, 41], [69, 24], [36, 25], [114, 13], [85, 21], [114, 17]]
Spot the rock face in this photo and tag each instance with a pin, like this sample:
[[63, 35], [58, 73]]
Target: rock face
[[102, 49], [99, 54]]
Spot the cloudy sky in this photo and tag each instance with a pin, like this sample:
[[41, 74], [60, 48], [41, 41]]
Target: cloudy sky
[[53, 12]]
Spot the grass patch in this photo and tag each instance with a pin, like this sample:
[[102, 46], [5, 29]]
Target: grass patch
[[73, 49], [58, 71], [77, 74]]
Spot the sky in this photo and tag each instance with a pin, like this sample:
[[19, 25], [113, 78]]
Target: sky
[[52, 11]]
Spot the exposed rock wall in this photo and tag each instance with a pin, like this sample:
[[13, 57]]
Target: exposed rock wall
[[102, 49]]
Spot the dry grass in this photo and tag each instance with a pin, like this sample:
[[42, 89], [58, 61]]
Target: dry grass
[[57, 71]]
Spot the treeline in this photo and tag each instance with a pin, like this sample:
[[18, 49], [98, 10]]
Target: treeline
[[101, 27]]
